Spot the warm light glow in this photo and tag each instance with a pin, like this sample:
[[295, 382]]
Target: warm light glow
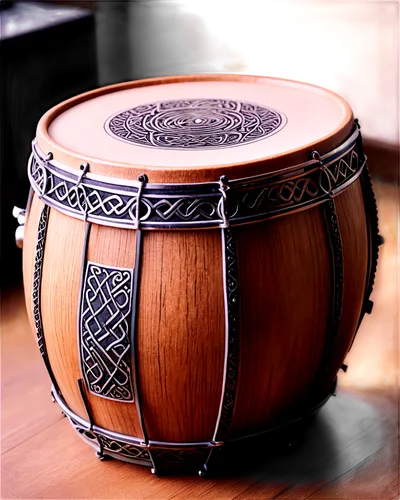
[[317, 52], [328, 43]]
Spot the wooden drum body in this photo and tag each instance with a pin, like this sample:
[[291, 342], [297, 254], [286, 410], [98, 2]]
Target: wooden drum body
[[183, 300]]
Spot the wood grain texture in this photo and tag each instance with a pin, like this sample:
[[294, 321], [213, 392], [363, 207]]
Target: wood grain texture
[[285, 281], [181, 336], [349, 451], [116, 248], [60, 298]]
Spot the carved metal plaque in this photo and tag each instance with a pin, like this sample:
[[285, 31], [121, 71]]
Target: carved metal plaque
[[104, 331]]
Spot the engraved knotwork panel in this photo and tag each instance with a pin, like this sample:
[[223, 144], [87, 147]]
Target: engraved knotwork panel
[[104, 331], [126, 450]]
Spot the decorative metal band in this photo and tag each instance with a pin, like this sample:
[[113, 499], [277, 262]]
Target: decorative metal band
[[160, 455], [36, 291], [337, 278], [104, 331], [132, 449], [231, 298], [113, 447], [113, 202], [124, 449]]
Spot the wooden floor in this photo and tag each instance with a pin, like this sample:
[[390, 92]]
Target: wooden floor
[[350, 451]]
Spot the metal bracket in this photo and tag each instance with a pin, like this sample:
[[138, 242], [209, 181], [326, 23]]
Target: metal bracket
[[84, 170], [222, 205]]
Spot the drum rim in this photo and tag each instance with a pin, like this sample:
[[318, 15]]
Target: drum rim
[[166, 174]]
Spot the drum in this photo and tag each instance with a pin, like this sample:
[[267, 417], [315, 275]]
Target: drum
[[199, 252]]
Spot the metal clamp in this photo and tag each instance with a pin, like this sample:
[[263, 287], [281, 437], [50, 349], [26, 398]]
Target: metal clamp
[[84, 170], [222, 205], [20, 215], [325, 174]]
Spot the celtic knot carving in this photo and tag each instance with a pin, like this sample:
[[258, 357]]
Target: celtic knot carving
[[126, 450], [281, 194], [116, 446], [104, 329], [195, 123], [37, 277], [232, 307], [332, 175], [39, 175], [184, 209], [169, 205]]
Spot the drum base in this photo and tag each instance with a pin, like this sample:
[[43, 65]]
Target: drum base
[[206, 458]]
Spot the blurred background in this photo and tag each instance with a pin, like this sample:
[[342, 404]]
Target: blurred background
[[56, 49]]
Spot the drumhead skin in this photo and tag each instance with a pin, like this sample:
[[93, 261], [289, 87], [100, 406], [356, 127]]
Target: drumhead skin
[[195, 128]]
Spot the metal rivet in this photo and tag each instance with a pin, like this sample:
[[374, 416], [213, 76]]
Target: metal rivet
[[100, 456], [143, 178], [316, 156], [224, 179]]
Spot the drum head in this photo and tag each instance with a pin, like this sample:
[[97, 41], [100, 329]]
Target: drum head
[[196, 126]]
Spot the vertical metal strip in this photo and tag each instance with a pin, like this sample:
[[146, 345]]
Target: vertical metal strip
[[134, 318], [36, 290], [230, 278], [88, 227], [29, 201], [231, 363], [374, 239], [232, 342], [85, 401], [335, 243]]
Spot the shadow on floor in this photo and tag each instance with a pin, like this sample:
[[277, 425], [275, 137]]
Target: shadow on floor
[[342, 435]]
